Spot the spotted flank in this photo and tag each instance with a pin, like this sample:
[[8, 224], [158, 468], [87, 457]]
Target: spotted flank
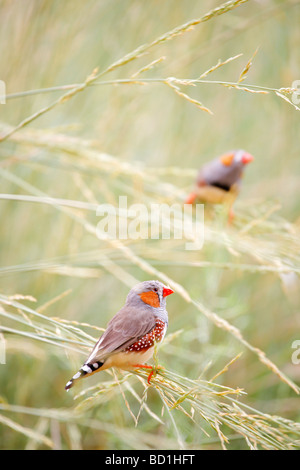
[[148, 340], [86, 369]]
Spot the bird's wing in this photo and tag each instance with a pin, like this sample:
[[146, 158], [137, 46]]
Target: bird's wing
[[124, 329]]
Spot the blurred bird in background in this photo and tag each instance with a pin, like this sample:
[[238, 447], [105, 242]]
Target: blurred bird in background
[[218, 181]]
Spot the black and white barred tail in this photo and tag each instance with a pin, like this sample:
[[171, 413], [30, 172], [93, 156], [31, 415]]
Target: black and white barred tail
[[86, 369]]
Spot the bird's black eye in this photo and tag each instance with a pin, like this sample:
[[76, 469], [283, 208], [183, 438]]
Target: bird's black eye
[[155, 289]]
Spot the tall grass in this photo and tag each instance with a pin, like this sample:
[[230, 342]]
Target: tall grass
[[228, 380]]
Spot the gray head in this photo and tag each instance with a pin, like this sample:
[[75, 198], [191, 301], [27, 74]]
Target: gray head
[[227, 169], [150, 293]]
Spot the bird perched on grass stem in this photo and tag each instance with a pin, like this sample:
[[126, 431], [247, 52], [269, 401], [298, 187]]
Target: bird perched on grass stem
[[218, 181], [132, 333]]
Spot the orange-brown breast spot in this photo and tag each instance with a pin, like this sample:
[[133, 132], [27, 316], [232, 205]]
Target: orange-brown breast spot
[[150, 298]]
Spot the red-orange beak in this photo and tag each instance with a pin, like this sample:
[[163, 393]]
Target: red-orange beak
[[167, 291], [247, 158]]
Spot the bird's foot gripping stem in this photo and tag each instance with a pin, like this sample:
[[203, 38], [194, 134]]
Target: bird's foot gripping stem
[[153, 370]]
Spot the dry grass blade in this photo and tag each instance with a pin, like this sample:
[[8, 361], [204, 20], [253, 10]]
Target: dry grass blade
[[188, 98], [219, 64], [246, 69], [27, 431], [178, 31], [247, 89], [225, 368], [285, 98], [140, 51], [149, 66]]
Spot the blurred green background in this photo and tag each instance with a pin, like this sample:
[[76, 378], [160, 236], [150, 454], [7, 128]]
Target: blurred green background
[[50, 43]]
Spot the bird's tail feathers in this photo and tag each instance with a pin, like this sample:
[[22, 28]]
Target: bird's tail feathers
[[85, 370]]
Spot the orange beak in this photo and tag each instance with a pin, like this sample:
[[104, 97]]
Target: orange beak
[[167, 291], [247, 158]]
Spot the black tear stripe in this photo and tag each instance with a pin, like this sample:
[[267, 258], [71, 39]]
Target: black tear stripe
[[225, 187]]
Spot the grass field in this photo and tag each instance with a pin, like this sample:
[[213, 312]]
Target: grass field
[[106, 99]]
